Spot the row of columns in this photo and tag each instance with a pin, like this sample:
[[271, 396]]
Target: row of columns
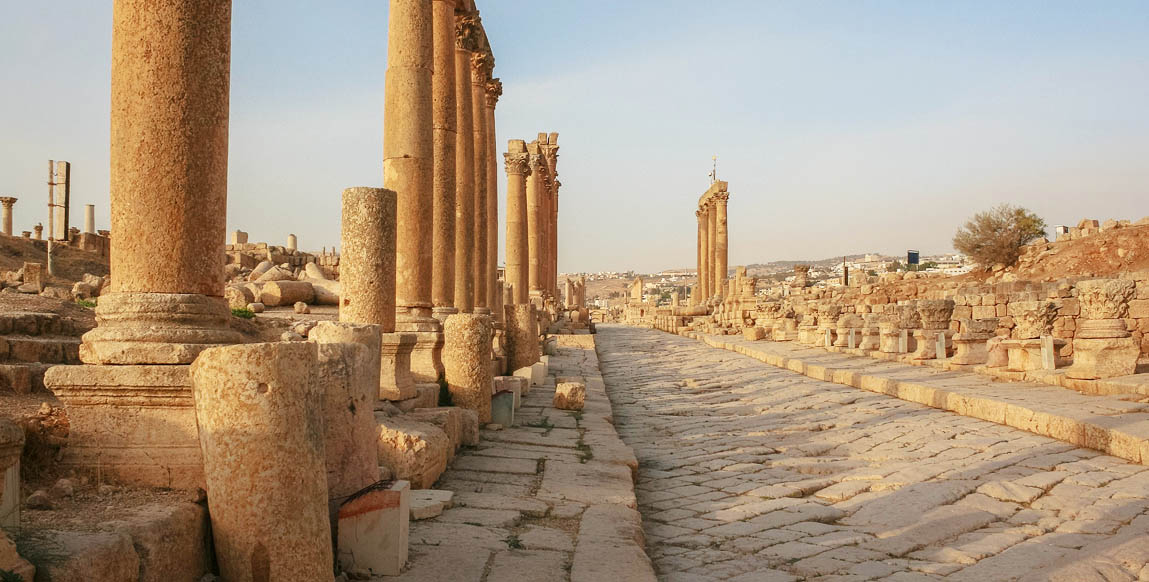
[[532, 219], [7, 202], [712, 243]]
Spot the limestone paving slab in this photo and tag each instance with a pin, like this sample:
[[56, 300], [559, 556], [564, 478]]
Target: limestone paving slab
[[550, 499], [870, 486]]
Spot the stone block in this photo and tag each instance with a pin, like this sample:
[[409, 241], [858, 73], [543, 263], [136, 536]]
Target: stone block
[[503, 408], [61, 556], [429, 503], [538, 373], [373, 530], [413, 451], [172, 542], [448, 418], [570, 396], [12, 562], [467, 362]]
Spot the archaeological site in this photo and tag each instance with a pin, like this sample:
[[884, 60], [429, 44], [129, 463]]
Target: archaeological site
[[301, 307]]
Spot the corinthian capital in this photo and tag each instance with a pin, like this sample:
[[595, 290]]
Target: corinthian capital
[[467, 31], [517, 163], [482, 63], [494, 91]]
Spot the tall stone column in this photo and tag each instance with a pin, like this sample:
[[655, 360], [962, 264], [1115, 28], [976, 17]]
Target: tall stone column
[[408, 169], [170, 82], [699, 248], [493, 90], [551, 217], [704, 276], [171, 69], [6, 214], [444, 113], [714, 288], [721, 242], [480, 72], [464, 170], [534, 221], [554, 246], [518, 169]]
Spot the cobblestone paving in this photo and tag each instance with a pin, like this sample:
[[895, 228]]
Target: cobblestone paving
[[753, 473]]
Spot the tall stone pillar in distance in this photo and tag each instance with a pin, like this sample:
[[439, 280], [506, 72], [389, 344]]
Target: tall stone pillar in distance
[[7, 203], [551, 217], [704, 272], [712, 287], [481, 64], [518, 169], [89, 219], [695, 294], [445, 119], [62, 202], [367, 283], [408, 169], [721, 242], [292, 242], [494, 89], [535, 187], [171, 64], [464, 167]]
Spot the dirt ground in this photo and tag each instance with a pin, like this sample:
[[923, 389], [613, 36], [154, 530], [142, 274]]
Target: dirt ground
[[70, 264]]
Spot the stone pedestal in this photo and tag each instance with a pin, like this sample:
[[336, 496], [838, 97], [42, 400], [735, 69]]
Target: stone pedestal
[[890, 338], [870, 339], [130, 424], [260, 414], [1102, 345], [156, 328], [786, 330], [348, 373], [11, 447], [970, 349], [926, 343], [522, 336], [467, 359], [395, 379], [1026, 354], [997, 356]]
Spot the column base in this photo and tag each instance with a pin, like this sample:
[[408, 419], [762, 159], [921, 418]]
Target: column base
[[134, 425], [427, 354], [395, 379], [1096, 358], [156, 328], [440, 313]]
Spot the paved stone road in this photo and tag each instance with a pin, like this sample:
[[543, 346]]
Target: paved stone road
[[753, 473]]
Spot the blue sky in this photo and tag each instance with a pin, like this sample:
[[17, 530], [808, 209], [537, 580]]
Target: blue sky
[[842, 127]]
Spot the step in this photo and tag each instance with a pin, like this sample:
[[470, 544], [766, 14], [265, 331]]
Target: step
[[42, 349], [34, 323]]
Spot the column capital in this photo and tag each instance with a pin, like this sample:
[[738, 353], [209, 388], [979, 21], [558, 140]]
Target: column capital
[[494, 91], [517, 163], [701, 214], [482, 63], [537, 164], [720, 197], [7, 201], [467, 31]]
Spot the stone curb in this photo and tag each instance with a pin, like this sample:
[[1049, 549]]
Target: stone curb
[[1066, 417]]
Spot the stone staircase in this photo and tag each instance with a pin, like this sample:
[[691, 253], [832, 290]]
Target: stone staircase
[[30, 343]]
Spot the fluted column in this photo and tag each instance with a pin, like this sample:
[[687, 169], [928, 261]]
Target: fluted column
[[444, 112], [534, 220], [408, 151], [721, 242], [171, 73], [480, 73], [494, 89], [464, 168], [518, 169]]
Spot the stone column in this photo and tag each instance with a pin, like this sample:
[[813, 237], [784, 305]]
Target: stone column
[[408, 151], [39, 229], [6, 214], [468, 363], [480, 72], [554, 248], [171, 64], [720, 241], [259, 410], [367, 282], [492, 91], [408, 169], [292, 242], [464, 170], [705, 279], [522, 336], [518, 169], [444, 113], [534, 221], [89, 219], [701, 249]]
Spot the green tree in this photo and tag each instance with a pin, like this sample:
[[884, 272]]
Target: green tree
[[997, 235]]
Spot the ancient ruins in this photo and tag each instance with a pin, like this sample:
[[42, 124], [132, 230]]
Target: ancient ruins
[[189, 404]]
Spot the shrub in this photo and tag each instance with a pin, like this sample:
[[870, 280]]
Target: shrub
[[243, 312], [82, 303], [997, 235]]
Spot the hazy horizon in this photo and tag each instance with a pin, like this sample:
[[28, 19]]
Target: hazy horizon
[[842, 128]]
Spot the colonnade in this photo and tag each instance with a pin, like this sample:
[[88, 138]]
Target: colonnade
[[712, 244], [532, 220]]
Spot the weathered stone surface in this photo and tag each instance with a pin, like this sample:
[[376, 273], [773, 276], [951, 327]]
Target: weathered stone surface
[[414, 451], [259, 410], [570, 395], [467, 360]]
